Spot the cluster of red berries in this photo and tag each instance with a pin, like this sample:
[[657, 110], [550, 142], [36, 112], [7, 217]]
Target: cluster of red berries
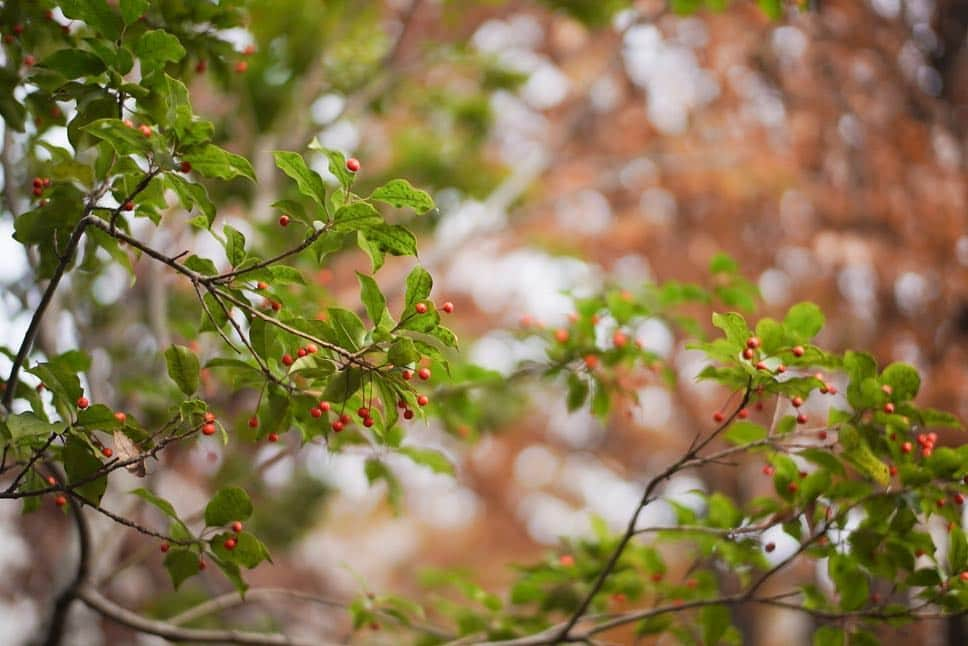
[[423, 308], [423, 373], [271, 304], [208, 428], [925, 440], [40, 184], [231, 542], [288, 360]]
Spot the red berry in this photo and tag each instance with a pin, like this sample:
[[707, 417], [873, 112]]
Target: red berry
[[273, 437], [275, 305], [287, 359], [822, 435], [424, 373], [892, 470], [691, 583], [38, 183], [301, 352], [107, 452], [780, 368], [345, 419], [747, 353], [797, 402], [761, 365], [926, 452], [185, 167], [201, 66], [743, 413], [940, 502], [353, 164], [906, 447], [120, 417], [888, 407], [202, 564], [656, 577], [448, 307], [423, 400], [38, 192], [29, 60], [591, 361], [337, 425], [315, 412], [249, 50], [60, 501], [407, 375], [831, 389], [127, 206], [798, 351], [18, 29], [753, 342], [230, 543], [402, 403], [311, 348], [164, 547], [421, 308], [209, 417], [284, 220], [769, 547], [242, 67], [324, 406], [718, 416], [253, 422], [363, 412], [792, 487], [51, 480], [236, 527], [408, 414], [83, 402], [145, 130], [561, 335], [620, 339], [261, 285], [959, 499], [208, 429], [919, 552], [567, 560], [964, 575], [801, 419], [368, 422], [768, 470]]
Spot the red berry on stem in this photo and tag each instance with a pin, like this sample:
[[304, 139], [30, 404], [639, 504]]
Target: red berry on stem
[[906, 447], [421, 308], [208, 429], [964, 575], [768, 470], [408, 414], [747, 353], [591, 361], [230, 543], [337, 425], [315, 412], [801, 419], [448, 307], [798, 351], [797, 402], [83, 402], [324, 406], [273, 437], [792, 487], [561, 335], [120, 417], [892, 470], [145, 130], [424, 373], [822, 435], [287, 359], [284, 220], [761, 365], [164, 547], [311, 348], [423, 400], [185, 167], [242, 67], [253, 422], [276, 305], [718, 416], [301, 352], [353, 164], [753, 342], [959, 499], [620, 339], [888, 407], [128, 206], [407, 375], [236, 526], [368, 422], [60, 501], [743, 413], [51, 480], [345, 419], [209, 417], [107, 452], [769, 547], [261, 285]]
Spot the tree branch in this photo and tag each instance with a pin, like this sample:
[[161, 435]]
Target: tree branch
[[58, 619]]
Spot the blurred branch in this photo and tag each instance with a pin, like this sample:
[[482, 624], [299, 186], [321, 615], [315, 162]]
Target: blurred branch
[[58, 619]]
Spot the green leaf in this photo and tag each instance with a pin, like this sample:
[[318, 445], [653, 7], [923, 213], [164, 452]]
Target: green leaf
[[828, 636], [434, 459], [234, 245], [348, 329], [249, 551], [722, 263], [26, 425], [307, 180], [373, 299], [771, 334], [181, 564], [715, 620], [577, 392], [159, 502], [419, 284], [359, 215], [183, 368], [376, 470], [156, 48], [80, 463], [722, 512], [402, 352], [958, 551], [61, 380], [124, 140], [226, 506], [734, 326], [73, 63], [743, 432], [343, 385], [390, 238], [131, 10], [903, 379], [400, 193], [803, 321], [96, 13], [851, 582], [814, 485], [211, 161], [337, 164], [97, 417], [192, 195]]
